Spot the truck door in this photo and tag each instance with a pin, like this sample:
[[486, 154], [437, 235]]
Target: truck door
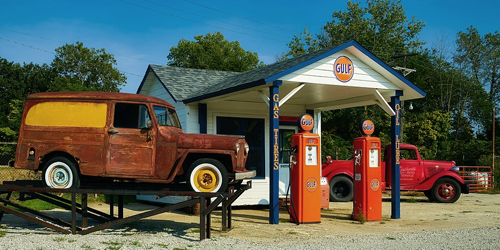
[[410, 168], [130, 141]]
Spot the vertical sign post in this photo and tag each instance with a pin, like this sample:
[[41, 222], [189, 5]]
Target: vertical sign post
[[395, 142], [274, 128]]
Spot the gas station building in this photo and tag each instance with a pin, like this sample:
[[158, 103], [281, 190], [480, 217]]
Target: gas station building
[[263, 105]]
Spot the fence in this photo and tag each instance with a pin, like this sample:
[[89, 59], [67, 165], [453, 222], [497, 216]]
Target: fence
[[479, 177], [7, 153]]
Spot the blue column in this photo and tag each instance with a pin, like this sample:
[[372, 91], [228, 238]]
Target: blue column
[[395, 141], [202, 117], [274, 128]]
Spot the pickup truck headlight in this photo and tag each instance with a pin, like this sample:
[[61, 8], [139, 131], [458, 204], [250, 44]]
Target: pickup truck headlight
[[455, 168], [247, 148], [237, 147]]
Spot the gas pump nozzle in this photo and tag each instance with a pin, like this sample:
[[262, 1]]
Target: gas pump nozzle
[[357, 157], [292, 156]]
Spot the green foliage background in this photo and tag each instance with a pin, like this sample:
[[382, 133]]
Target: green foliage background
[[453, 122]]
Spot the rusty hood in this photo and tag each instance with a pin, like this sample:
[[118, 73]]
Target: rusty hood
[[204, 141]]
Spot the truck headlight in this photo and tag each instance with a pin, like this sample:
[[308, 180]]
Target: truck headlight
[[455, 168], [247, 148], [237, 147]]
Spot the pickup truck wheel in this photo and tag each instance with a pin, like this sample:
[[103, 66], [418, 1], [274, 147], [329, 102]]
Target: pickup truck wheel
[[341, 189], [60, 173], [207, 176], [446, 190], [428, 194]]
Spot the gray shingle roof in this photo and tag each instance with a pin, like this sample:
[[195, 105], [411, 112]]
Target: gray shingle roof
[[256, 76], [189, 85], [183, 82]]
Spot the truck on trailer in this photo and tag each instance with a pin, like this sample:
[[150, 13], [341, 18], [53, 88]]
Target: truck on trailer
[[75, 137]]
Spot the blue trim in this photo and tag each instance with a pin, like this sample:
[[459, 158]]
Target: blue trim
[[202, 117], [395, 140], [389, 68], [273, 78], [309, 62], [274, 128], [225, 91], [150, 69], [144, 80], [338, 49]]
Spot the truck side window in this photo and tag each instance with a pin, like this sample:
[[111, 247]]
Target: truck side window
[[166, 117], [175, 119], [130, 115], [408, 154], [162, 116]]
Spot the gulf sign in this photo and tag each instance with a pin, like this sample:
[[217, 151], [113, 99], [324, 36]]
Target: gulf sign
[[306, 123], [343, 68], [367, 127]]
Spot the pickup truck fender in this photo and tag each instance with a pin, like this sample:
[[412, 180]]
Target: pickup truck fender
[[429, 182], [336, 172]]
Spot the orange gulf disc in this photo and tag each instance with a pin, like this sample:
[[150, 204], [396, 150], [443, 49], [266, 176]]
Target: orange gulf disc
[[343, 68]]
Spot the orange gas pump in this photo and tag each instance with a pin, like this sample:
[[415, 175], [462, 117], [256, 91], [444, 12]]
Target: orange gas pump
[[305, 173], [367, 175]]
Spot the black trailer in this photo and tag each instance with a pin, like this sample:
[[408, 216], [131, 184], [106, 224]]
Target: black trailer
[[34, 190]]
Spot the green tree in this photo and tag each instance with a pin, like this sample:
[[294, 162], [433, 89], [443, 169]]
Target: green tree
[[16, 83], [85, 69], [212, 52], [381, 26]]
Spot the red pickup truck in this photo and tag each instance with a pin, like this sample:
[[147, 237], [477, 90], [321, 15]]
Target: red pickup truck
[[439, 180]]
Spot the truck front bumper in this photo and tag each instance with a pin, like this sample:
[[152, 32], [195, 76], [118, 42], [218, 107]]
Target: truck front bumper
[[245, 175]]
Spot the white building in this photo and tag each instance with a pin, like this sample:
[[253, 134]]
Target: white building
[[216, 102]]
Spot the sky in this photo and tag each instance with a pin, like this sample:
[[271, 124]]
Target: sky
[[141, 32]]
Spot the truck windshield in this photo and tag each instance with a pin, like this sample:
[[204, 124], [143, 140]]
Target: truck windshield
[[166, 117]]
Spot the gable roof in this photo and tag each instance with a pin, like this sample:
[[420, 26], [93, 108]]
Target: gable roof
[[191, 85], [181, 83]]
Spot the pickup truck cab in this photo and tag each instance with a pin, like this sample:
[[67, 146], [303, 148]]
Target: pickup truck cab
[[439, 180], [75, 137]]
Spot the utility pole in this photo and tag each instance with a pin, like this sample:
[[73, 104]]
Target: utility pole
[[493, 152]]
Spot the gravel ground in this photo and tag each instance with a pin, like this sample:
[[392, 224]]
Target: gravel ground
[[471, 223], [465, 238]]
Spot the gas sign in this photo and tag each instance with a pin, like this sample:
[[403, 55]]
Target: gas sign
[[343, 68]]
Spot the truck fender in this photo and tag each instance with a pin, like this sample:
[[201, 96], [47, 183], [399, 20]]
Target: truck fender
[[429, 183], [334, 173]]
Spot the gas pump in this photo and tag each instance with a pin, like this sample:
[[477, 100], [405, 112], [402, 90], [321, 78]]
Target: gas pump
[[367, 175], [305, 173]]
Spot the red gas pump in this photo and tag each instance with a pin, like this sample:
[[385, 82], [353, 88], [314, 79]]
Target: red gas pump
[[305, 173], [367, 175]]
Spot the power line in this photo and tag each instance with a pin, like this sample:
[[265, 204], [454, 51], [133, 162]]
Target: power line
[[236, 25], [191, 20], [25, 45], [242, 17], [32, 47], [44, 38]]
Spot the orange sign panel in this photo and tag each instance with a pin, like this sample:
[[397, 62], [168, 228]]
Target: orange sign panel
[[306, 122], [343, 68], [367, 127]]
